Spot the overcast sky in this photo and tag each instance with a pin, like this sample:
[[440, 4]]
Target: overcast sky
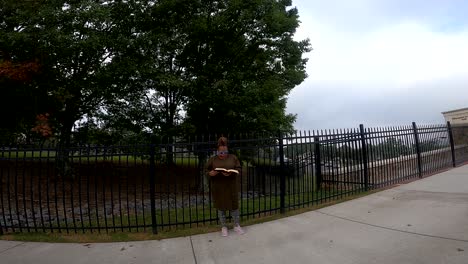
[[381, 62]]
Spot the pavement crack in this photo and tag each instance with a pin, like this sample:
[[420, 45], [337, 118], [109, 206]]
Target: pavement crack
[[5, 250], [193, 250], [393, 229]]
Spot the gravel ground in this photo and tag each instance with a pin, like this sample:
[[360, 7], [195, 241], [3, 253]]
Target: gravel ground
[[11, 217]]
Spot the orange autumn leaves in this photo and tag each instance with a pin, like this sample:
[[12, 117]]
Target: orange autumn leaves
[[18, 71], [42, 126], [24, 72]]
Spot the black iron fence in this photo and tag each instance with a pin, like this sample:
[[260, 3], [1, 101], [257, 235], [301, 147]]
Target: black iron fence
[[158, 186]]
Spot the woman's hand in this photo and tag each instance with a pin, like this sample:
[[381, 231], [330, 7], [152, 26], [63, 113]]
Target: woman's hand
[[212, 173], [226, 173]]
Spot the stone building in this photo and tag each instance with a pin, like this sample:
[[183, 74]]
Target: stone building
[[457, 117]]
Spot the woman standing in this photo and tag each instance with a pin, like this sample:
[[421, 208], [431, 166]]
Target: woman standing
[[224, 185]]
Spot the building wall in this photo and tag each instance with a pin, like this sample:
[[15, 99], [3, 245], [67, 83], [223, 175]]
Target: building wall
[[456, 117], [460, 134], [460, 140]]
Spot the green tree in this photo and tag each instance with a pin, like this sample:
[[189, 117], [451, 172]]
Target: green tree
[[87, 52], [148, 66], [433, 144], [163, 78], [392, 147], [21, 101], [244, 62]]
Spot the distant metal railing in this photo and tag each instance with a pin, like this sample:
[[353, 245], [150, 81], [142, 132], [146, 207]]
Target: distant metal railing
[[151, 187]]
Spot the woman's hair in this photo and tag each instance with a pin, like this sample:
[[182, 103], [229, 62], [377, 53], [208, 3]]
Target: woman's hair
[[222, 142]]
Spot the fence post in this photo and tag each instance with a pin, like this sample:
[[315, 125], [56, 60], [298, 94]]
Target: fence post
[[452, 145], [282, 173], [365, 159], [152, 176], [318, 162], [418, 148]]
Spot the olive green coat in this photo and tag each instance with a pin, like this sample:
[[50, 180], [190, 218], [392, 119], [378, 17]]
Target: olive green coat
[[224, 189]]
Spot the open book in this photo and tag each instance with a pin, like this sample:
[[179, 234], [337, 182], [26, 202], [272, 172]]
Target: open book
[[226, 170]]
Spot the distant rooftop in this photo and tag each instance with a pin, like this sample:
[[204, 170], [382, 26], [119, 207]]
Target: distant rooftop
[[456, 110]]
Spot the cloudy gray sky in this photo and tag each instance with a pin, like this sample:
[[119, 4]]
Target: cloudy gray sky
[[381, 62]]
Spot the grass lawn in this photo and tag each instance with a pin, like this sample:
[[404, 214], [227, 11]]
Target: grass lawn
[[83, 158], [181, 230]]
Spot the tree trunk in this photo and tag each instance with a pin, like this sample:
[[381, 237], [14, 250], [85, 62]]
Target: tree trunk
[[203, 180], [63, 162]]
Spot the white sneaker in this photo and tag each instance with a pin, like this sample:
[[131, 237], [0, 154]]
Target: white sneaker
[[239, 230], [224, 231]]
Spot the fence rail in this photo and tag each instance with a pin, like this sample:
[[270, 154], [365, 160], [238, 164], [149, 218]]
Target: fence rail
[[152, 187]]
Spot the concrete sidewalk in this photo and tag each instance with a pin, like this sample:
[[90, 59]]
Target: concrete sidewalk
[[425, 221]]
